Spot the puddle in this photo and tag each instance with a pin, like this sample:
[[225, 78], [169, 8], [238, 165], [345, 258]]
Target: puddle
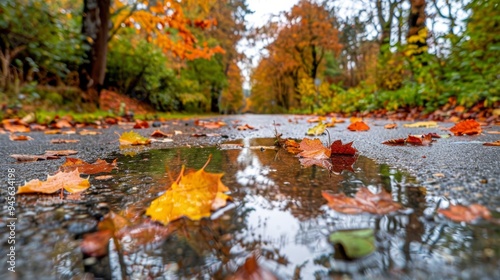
[[279, 214]]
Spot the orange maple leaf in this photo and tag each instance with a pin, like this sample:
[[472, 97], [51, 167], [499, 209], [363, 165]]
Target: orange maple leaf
[[100, 166], [70, 181], [460, 213], [358, 126], [467, 127], [313, 148], [364, 201]]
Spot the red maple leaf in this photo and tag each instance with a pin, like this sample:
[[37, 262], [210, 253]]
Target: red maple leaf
[[337, 148]]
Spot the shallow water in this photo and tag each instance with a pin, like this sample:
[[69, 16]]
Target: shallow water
[[278, 214]]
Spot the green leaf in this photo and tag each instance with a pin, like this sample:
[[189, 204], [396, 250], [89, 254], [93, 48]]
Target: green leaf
[[355, 243], [317, 129]]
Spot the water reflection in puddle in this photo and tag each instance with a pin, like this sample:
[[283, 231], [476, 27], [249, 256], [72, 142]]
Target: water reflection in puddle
[[279, 215]]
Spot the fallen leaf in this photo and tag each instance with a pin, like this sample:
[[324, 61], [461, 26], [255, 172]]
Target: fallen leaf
[[209, 124], [395, 142], [421, 124], [19, 157], [104, 177], [64, 141], [63, 123], [245, 127], [337, 148], [313, 148], [164, 140], [416, 140], [292, 146], [317, 129], [13, 137], [191, 195], [15, 125], [133, 138], [251, 270], [358, 126], [134, 237], [316, 119], [208, 135], [496, 143], [492, 132], [141, 124], [89, 132], [95, 244], [61, 153], [326, 163], [390, 126], [353, 244], [100, 166], [468, 214], [70, 181], [341, 163], [355, 119], [52, 131], [363, 201], [467, 127], [159, 133]]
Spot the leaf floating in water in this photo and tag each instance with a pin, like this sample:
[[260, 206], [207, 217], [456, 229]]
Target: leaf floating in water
[[251, 270], [353, 244], [468, 214], [100, 166], [313, 148], [364, 201], [70, 181], [337, 148]]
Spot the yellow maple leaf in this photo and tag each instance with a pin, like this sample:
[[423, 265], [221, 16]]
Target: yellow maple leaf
[[193, 195], [317, 129], [133, 138], [70, 181]]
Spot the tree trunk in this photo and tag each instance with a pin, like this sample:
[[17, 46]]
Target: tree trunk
[[416, 22], [95, 28]]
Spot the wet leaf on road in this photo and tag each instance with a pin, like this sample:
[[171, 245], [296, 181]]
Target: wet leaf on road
[[209, 124], [141, 124], [61, 153], [193, 195], [358, 126], [317, 129], [337, 148], [64, 141], [133, 138], [251, 270], [100, 166], [468, 214], [353, 244], [15, 125], [313, 148], [245, 127], [70, 181], [390, 126], [416, 140], [159, 133], [496, 143], [364, 201], [13, 137], [19, 157], [467, 127]]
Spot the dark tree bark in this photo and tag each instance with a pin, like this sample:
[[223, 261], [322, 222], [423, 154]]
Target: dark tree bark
[[95, 28]]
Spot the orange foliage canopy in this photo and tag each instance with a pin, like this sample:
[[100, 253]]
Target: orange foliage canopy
[[165, 25]]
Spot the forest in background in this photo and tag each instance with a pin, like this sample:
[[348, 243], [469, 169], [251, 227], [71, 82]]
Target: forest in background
[[319, 57]]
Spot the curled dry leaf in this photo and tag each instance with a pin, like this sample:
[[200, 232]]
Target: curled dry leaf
[[317, 129], [64, 141], [133, 138], [89, 132], [15, 125], [70, 181], [364, 201], [313, 148], [159, 133], [193, 195], [390, 126], [13, 137], [209, 124], [496, 143], [251, 270], [423, 140], [141, 124], [100, 166], [468, 214], [467, 127], [292, 146], [61, 153], [316, 119], [358, 126]]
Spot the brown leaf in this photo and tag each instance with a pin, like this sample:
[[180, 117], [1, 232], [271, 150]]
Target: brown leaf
[[70, 181], [364, 201], [316, 119], [337, 148], [89, 132], [96, 244], [395, 142], [325, 162], [141, 124], [104, 177], [496, 143], [209, 124], [63, 123], [313, 148], [358, 126], [245, 127], [100, 166], [292, 146], [15, 125], [13, 137], [64, 141], [33, 157], [460, 213], [390, 126], [251, 270], [467, 127], [134, 237], [61, 153], [159, 133]]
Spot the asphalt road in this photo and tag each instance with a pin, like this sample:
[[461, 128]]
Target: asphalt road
[[458, 168]]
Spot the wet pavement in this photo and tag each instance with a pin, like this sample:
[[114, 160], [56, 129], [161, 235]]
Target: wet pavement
[[278, 212]]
